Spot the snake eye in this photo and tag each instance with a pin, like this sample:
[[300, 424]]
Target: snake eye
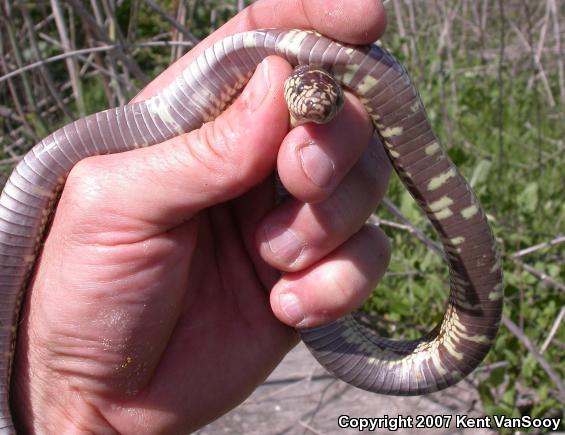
[[300, 88]]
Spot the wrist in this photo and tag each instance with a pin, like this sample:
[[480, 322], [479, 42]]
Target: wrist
[[44, 408], [43, 401]]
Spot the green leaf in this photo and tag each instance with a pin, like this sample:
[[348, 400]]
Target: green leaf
[[480, 173], [528, 199], [496, 377], [486, 396], [409, 208]]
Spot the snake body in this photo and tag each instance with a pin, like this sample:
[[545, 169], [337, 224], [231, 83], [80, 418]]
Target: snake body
[[202, 91]]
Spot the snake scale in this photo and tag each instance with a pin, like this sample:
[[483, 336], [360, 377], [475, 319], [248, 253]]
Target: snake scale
[[347, 349]]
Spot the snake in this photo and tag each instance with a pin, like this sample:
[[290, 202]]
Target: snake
[[349, 350]]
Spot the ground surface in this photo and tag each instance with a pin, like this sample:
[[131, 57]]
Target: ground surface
[[301, 398]]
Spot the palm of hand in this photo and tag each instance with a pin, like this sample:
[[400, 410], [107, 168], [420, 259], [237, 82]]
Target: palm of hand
[[209, 322]]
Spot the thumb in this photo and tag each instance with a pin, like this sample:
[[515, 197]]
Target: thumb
[[171, 181]]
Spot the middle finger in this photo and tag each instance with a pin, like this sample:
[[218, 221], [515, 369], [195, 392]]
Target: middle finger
[[297, 234]]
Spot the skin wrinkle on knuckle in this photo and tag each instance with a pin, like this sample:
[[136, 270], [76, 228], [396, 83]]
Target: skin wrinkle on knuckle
[[339, 212], [208, 142], [230, 130], [211, 147]]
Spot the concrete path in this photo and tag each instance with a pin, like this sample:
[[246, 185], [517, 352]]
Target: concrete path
[[301, 398]]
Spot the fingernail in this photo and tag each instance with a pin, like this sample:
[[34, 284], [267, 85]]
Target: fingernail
[[258, 88], [316, 165], [292, 308], [283, 243]]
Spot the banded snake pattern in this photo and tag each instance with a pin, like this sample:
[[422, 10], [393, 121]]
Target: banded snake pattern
[[347, 349]]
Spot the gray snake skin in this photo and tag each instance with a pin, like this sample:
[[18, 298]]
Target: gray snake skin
[[348, 350]]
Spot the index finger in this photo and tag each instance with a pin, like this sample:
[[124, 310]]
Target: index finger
[[350, 21]]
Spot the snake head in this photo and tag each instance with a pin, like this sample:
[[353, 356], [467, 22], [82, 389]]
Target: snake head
[[312, 95]]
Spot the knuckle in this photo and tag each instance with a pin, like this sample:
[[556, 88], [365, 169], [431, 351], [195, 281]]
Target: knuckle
[[214, 146], [338, 214], [86, 184]]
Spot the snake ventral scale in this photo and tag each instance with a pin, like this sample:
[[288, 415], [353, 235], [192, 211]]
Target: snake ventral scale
[[202, 91]]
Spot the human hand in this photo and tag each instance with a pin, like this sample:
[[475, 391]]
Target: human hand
[[149, 310]]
